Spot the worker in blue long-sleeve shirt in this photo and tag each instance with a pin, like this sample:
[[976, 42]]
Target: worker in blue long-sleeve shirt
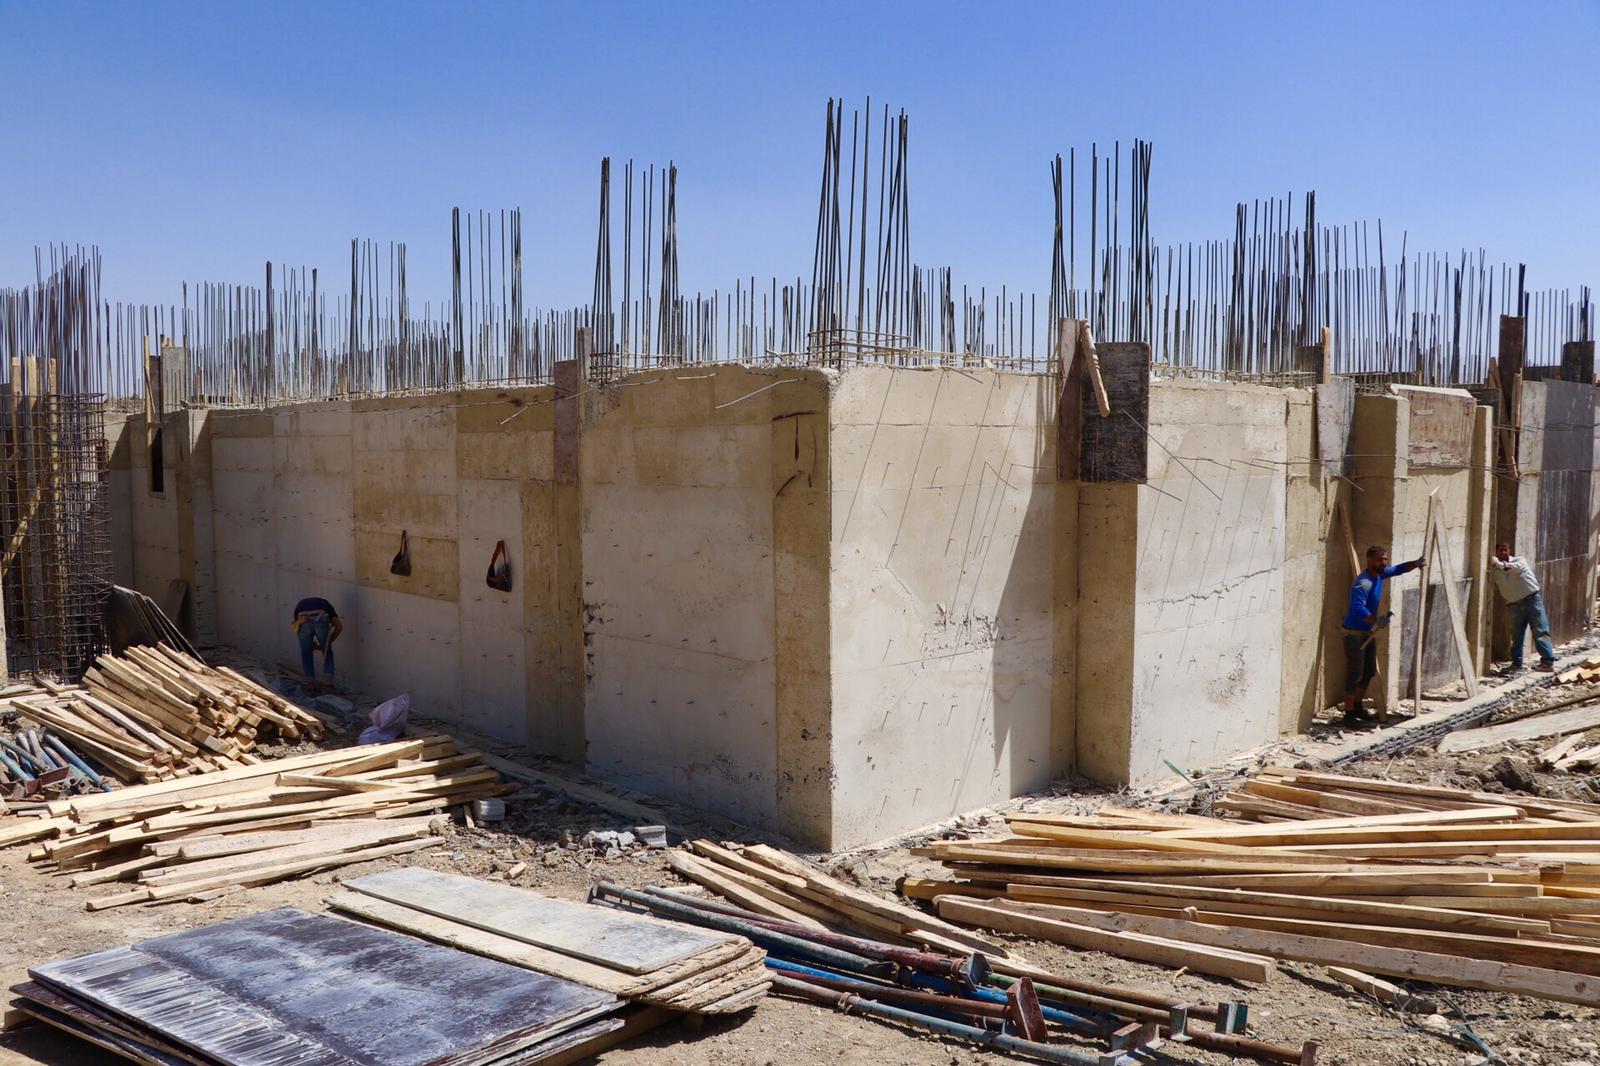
[[1360, 645]]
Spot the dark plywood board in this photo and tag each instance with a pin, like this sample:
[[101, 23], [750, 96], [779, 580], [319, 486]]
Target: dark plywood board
[[289, 988], [1511, 348], [1562, 551], [1439, 426], [609, 937], [1577, 362], [1115, 447], [1336, 408], [1440, 664]]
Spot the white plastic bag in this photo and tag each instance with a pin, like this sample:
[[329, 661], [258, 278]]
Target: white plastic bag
[[388, 720]]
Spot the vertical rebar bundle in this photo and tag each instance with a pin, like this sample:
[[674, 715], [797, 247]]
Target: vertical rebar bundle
[[54, 519]]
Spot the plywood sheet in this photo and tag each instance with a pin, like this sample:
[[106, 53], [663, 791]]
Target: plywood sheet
[[1440, 664], [1115, 447], [611, 938], [1440, 426], [289, 988]]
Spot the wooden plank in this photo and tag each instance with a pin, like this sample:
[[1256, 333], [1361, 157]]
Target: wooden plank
[[1240, 901], [773, 902], [1432, 966], [1132, 945], [1221, 831], [1384, 992], [626, 808], [490, 945], [1545, 725], [611, 938]]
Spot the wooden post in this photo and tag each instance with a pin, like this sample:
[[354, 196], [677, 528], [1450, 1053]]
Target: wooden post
[[1092, 361], [1422, 611]]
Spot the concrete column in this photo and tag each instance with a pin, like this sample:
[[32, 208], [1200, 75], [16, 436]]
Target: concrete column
[[1480, 536], [1064, 557], [802, 532], [1115, 462], [188, 430], [1379, 441], [565, 735]]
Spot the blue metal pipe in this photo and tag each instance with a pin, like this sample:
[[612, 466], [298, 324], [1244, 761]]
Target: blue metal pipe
[[24, 758], [17, 772], [56, 744], [1105, 1024], [40, 756], [1002, 1041]]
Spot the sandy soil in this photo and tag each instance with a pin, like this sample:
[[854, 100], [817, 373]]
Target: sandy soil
[[545, 832]]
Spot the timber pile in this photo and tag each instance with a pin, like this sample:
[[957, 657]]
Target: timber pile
[[154, 713], [776, 884], [1437, 884], [633, 956], [251, 825]]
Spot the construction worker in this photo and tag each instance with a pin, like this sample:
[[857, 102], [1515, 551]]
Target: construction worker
[[1520, 589], [1361, 622], [317, 625]]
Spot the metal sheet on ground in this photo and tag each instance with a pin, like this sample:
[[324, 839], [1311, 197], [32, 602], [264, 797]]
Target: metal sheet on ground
[[614, 939], [289, 988]]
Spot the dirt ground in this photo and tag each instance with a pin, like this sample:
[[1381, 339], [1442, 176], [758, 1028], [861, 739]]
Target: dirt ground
[[545, 833]]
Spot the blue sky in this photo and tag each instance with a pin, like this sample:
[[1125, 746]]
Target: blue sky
[[196, 141]]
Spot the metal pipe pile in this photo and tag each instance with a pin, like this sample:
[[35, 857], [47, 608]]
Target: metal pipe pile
[[832, 952]]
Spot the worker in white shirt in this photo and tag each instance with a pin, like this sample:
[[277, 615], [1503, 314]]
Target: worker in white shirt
[[1520, 589]]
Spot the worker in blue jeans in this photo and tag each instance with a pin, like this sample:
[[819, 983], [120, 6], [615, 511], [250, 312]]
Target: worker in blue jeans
[[1525, 603], [317, 625]]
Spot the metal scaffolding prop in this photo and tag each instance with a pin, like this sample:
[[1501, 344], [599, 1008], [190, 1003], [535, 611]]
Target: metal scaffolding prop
[[54, 519]]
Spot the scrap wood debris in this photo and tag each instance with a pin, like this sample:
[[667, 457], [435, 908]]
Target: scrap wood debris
[[634, 956], [1573, 753], [1452, 887], [254, 824], [839, 946], [1587, 670], [155, 713], [290, 986]]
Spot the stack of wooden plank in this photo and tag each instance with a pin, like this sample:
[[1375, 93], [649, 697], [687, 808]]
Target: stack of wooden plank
[[251, 825], [1433, 883], [291, 987], [1572, 753], [1587, 670], [630, 955], [774, 883], [154, 713]]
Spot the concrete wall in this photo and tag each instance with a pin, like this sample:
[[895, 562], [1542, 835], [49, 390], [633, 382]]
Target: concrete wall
[[311, 500], [944, 549], [1209, 626], [679, 593], [836, 603]]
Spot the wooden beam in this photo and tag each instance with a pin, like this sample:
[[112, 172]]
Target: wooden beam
[[1432, 966]]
